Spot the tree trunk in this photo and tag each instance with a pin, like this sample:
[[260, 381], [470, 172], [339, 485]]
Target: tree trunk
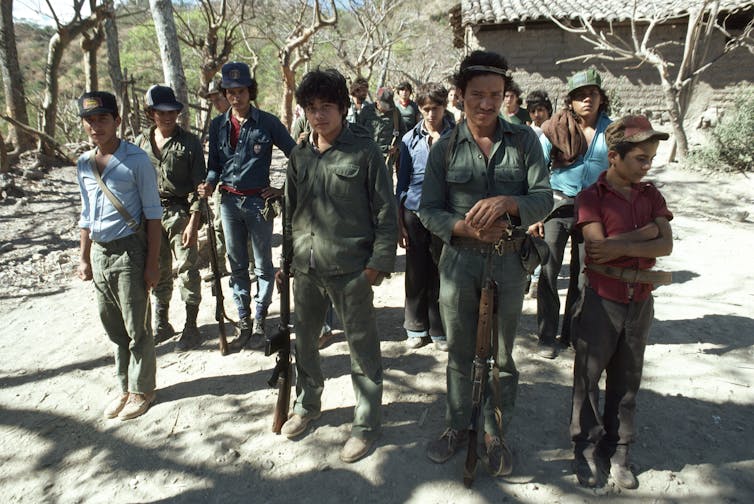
[[170, 52], [13, 81], [90, 43], [50, 103], [289, 88], [113, 52], [676, 114]]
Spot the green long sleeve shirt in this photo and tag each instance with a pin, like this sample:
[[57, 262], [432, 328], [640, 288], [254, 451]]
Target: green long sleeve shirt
[[516, 167], [340, 212], [180, 166]]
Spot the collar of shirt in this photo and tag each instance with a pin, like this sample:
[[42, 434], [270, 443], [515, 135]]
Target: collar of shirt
[[604, 186]]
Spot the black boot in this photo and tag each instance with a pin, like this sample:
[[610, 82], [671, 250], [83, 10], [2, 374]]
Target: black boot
[[163, 331], [190, 337], [244, 335]]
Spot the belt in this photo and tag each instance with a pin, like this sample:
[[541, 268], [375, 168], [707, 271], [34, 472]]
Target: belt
[[631, 275], [174, 200], [501, 247], [242, 192]]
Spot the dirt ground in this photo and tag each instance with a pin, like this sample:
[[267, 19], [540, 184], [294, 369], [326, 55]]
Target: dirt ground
[[208, 438]]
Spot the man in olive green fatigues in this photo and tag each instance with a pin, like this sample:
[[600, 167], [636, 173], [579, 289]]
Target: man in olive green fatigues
[[494, 168], [383, 120], [178, 158], [342, 221]]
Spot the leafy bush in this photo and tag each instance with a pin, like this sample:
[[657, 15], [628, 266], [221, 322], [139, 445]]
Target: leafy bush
[[731, 144]]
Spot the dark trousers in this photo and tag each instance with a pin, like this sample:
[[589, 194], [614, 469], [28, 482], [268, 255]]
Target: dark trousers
[[557, 232], [609, 337], [422, 309]]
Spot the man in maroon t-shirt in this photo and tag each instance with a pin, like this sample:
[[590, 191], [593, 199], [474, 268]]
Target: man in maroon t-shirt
[[625, 223]]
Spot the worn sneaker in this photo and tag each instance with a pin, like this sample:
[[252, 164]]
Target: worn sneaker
[[259, 334], [354, 449], [547, 350], [442, 449], [116, 405], [441, 345], [499, 456], [413, 342], [137, 405], [297, 424], [623, 476]]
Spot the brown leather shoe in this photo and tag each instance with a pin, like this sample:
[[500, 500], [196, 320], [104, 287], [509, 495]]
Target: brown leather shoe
[[297, 424], [137, 405], [499, 456], [355, 449], [443, 448], [116, 405]]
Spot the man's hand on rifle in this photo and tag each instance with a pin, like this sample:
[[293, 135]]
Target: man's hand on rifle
[[486, 212], [205, 189], [279, 279], [271, 192], [537, 230]]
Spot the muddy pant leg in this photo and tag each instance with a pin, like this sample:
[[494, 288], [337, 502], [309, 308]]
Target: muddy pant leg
[[186, 259], [624, 371], [124, 310], [461, 274], [511, 283], [557, 231], [311, 303], [352, 298], [164, 289], [576, 283], [596, 336]]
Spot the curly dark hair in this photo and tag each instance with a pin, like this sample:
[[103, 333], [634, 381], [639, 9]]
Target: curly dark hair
[[481, 58], [432, 92], [604, 102], [328, 85], [539, 97]]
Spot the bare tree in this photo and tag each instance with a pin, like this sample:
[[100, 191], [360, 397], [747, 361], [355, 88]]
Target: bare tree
[[678, 78], [170, 51], [90, 42], [368, 43], [13, 80], [294, 41]]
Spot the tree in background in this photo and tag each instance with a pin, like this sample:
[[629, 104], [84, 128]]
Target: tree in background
[[678, 78], [13, 82], [170, 52]]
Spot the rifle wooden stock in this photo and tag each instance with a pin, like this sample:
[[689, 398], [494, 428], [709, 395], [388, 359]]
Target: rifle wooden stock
[[280, 342], [484, 335], [217, 288]]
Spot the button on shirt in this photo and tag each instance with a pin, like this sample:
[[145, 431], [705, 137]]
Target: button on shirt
[[570, 180], [515, 168], [413, 161], [131, 177], [601, 203], [180, 166], [248, 165]]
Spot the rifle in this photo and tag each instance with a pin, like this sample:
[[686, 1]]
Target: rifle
[[217, 288], [280, 341], [484, 361]]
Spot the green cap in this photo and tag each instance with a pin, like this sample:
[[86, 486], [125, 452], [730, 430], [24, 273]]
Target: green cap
[[584, 78]]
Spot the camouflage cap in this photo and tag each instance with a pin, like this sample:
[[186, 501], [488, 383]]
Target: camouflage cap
[[633, 129]]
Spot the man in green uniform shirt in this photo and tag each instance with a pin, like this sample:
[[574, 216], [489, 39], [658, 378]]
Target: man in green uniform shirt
[[178, 157], [494, 174], [385, 123], [342, 220]]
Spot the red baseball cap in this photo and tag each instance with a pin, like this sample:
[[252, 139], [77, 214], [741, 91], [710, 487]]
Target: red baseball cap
[[631, 128]]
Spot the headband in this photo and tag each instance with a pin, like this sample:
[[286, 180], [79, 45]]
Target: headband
[[485, 68]]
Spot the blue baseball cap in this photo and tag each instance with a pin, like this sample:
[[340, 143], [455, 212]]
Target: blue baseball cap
[[236, 75]]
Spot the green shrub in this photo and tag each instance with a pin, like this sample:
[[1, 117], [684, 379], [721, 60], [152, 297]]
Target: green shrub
[[731, 144]]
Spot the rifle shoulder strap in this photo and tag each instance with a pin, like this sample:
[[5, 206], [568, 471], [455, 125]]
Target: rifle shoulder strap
[[113, 199]]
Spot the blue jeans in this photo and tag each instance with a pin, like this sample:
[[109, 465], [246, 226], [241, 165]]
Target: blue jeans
[[243, 221]]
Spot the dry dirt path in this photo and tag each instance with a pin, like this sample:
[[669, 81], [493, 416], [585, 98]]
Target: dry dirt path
[[208, 438]]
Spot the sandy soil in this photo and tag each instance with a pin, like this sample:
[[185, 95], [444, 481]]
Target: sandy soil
[[208, 437]]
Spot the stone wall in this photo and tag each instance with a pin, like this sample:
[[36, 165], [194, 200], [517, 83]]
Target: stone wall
[[533, 50]]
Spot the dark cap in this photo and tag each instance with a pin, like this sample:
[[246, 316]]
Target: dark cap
[[385, 96], [631, 128], [162, 98], [236, 75], [97, 102], [585, 78]]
